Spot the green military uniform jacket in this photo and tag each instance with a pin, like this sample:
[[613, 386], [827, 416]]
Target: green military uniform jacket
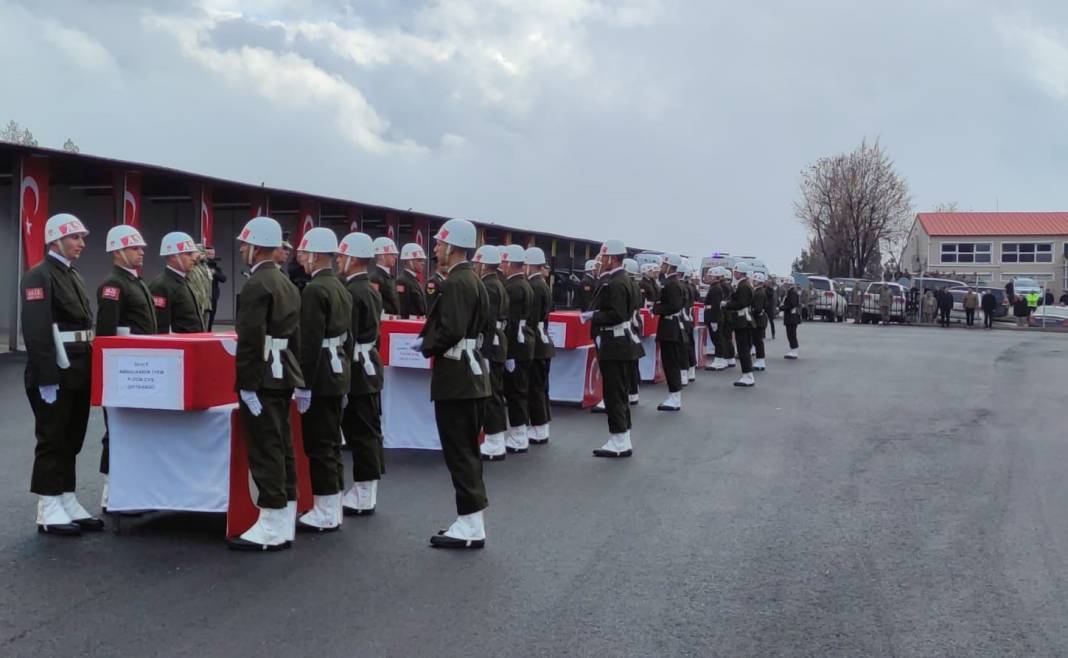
[[583, 298], [54, 293], [672, 302], [791, 308], [364, 329], [200, 282], [270, 306], [386, 286], [520, 307], [613, 305], [713, 313], [123, 300], [541, 306], [740, 306], [460, 313], [727, 289], [410, 294], [177, 307], [760, 307], [650, 290], [689, 291], [494, 338], [325, 312], [636, 321]]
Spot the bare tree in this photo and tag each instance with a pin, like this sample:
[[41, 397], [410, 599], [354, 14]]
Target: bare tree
[[855, 206], [950, 206], [16, 134], [70, 147]]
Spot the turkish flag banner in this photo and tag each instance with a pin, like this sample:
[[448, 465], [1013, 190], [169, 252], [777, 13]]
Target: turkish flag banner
[[33, 208], [207, 216], [306, 221], [131, 199]]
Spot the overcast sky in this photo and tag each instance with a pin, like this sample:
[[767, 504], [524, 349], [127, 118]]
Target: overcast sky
[[673, 124]]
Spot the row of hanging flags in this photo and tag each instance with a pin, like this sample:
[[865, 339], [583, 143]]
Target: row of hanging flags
[[33, 212]]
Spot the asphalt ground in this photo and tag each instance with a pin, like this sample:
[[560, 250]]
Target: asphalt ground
[[899, 491]]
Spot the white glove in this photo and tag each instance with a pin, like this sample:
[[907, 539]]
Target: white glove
[[303, 398], [344, 400], [48, 393], [585, 316], [252, 401], [509, 365], [417, 346], [715, 326], [723, 304]]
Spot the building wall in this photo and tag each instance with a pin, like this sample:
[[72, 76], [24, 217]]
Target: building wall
[[996, 272]]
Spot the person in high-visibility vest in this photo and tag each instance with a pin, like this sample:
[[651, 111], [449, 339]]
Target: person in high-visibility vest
[[1033, 298]]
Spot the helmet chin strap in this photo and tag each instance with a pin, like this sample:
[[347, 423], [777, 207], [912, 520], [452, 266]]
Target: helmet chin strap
[[122, 254]]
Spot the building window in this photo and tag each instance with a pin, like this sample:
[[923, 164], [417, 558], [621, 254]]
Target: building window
[[1026, 252], [965, 252]]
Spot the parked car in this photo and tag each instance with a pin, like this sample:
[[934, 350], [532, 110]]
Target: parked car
[[930, 283], [870, 311], [1025, 286], [1049, 316], [828, 301]]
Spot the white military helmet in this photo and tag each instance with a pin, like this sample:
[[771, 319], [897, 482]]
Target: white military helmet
[[262, 232], [123, 236], [356, 245], [591, 265], [488, 255], [673, 260], [760, 277], [788, 280], [630, 265], [613, 247], [650, 267], [513, 253], [175, 243], [412, 251], [720, 271], [384, 246], [61, 225], [318, 240], [743, 268], [458, 233], [535, 256]]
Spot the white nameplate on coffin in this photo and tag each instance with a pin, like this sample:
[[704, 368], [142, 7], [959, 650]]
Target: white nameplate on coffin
[[143, 378], [401, 354], [558, 334]]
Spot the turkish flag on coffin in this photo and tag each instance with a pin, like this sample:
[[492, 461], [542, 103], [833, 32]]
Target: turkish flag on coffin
[[33, 208]]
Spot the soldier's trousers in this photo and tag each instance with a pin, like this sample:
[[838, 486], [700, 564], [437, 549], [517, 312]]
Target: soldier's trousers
[[791, 335], [459, 423], [517, 392], [727, 338], [362, 424], [321, 429], [614, 380], [743, 340], [496, 406], [270, 448], [634, 380], [771, 325], [691, 347], [673, 358], [60, 432], [758, 342], [538, 394]]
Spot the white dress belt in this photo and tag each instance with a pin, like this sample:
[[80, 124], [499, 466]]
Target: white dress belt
[[363, 353], [83, 336], [331, 345], [623, 329], [272, 351], [466, 346]]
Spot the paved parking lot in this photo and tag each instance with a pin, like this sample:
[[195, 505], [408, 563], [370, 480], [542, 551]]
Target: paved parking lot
[[899, 491]]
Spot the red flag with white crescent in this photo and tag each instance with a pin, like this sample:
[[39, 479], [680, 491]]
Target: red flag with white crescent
[[33, 208], [131, 199], [307, 220], [354, 219], [207, 216]]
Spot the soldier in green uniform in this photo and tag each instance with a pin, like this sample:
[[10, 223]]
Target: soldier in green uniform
[[671, 330], [544, 350], [630, 266], [124, 306], [409, 290], [199, 277], [791, 315], [726, 284], [587, 285], [362, 418], [459, 383], [739, 311], [495, 348], [760, 317], [177, 307], [57, 327], [325, 314], [714, 317], [649, 285], [382, 275], [268, 370], [611, 326], [520, 335], [691, 345]]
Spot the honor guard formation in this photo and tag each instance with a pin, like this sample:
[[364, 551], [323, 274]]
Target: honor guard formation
[[486, 311]]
